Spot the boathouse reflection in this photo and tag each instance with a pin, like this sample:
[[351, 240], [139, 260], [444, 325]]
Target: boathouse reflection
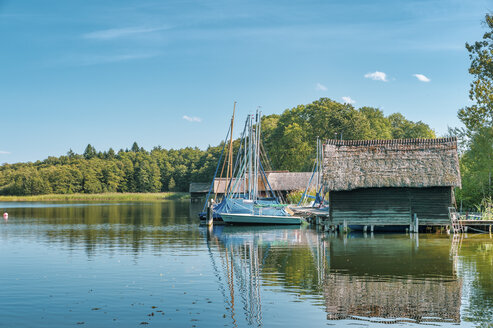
[[383, 279]]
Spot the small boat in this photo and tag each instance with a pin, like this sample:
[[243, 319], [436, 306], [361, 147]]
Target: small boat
[[245, 218]]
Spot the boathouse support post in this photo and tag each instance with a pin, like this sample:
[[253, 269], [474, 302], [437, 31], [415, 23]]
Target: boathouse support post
[[345, 226], [372, 228], [416, 223], [365, 228]]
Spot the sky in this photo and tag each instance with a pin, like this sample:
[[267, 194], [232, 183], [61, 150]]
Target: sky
[[166, 73]]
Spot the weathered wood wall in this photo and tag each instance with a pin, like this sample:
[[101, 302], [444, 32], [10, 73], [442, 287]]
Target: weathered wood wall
[[391, 206]]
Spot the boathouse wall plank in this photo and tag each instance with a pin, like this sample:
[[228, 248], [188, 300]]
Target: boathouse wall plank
[[391, 206]]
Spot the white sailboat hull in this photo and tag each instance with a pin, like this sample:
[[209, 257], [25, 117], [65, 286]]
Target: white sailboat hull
[[259, 219]]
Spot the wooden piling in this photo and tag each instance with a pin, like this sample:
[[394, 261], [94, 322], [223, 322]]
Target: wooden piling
[[210, 213]]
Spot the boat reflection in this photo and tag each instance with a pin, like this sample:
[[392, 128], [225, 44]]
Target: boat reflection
[[386, 278]]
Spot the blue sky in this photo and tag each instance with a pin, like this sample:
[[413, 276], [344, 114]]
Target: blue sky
[[167, 72]]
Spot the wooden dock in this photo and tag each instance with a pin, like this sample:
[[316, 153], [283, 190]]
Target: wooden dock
[[484, 225], [322, 217]]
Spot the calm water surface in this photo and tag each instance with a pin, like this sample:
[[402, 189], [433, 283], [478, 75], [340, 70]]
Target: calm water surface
[[152, 265]]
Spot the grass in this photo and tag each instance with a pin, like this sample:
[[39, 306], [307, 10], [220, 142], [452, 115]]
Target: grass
[[99, 197]]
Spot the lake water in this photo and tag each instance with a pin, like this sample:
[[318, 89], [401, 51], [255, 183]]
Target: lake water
[[152, 265]]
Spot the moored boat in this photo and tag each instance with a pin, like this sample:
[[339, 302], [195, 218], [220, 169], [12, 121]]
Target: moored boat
[[247, 218]]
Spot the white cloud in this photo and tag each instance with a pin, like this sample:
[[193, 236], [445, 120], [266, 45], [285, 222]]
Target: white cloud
[[3, 152], [115, 33], [320, 87], [348, 100], [377, 76], [422, 78], [192, 118]]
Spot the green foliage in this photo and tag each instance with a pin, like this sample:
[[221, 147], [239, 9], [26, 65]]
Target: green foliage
[[171, 184], [486, 208], [477, 159], [89, 152], [294, 196], [289, 140], [476, 165], [480, 114], [290, 137]]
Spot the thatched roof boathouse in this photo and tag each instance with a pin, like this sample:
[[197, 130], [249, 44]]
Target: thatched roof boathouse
[[388, 182]]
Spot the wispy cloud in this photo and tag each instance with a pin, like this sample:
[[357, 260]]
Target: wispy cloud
[[377, 76], [89, 60], [3, 152], [421, 77], [116, 33], [192, 118], [320, 87], [348, 100]]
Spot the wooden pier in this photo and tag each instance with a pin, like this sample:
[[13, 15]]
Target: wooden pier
[[321, 217]]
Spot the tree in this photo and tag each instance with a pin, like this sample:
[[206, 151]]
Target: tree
[[89, 152], [480, 114], [477, 160], [380, 126], [171, 184], [135, 147]]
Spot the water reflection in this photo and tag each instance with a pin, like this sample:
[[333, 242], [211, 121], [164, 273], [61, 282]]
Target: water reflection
[[260, 275], [382, 279], [131, 226]]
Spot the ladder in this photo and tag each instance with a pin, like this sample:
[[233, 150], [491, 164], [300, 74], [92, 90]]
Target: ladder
[[456, 224]]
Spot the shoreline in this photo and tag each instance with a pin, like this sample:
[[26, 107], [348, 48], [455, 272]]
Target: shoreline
[[99, 197]]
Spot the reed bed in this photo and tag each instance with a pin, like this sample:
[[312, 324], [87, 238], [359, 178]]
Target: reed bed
[[99, 197]]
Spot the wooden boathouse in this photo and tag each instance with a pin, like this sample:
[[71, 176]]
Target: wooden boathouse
[[404, 182]]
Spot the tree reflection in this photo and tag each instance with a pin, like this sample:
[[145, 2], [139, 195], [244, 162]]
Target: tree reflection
[[475, 259], [389, 278], [94, 226]]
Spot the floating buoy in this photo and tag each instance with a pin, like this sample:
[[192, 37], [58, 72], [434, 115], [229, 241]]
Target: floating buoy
[[6, 215]]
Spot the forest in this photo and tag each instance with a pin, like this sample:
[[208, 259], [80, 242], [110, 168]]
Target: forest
[[289, 140]]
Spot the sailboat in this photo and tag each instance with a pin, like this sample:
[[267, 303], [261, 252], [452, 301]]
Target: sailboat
[[243, 203]]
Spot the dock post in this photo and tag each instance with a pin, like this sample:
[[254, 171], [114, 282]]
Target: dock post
[[365, 229], [416, 223], [326, 226], [210, 213], [345, 226], [372, 227]]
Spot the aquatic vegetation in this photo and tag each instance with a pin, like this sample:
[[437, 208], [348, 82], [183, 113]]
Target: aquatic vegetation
[[486, 208]]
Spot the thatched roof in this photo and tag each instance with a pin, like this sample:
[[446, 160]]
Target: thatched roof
[[353, 164], [288, 180], [279, 181]]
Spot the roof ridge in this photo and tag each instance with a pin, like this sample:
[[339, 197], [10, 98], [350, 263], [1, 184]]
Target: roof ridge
[[381, 142]]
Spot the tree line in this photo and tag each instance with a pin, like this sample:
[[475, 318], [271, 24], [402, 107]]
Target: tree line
[[289, 139]]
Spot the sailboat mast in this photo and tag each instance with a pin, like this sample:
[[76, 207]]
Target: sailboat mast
[[257, 163], [250, 155], [229, 172]]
